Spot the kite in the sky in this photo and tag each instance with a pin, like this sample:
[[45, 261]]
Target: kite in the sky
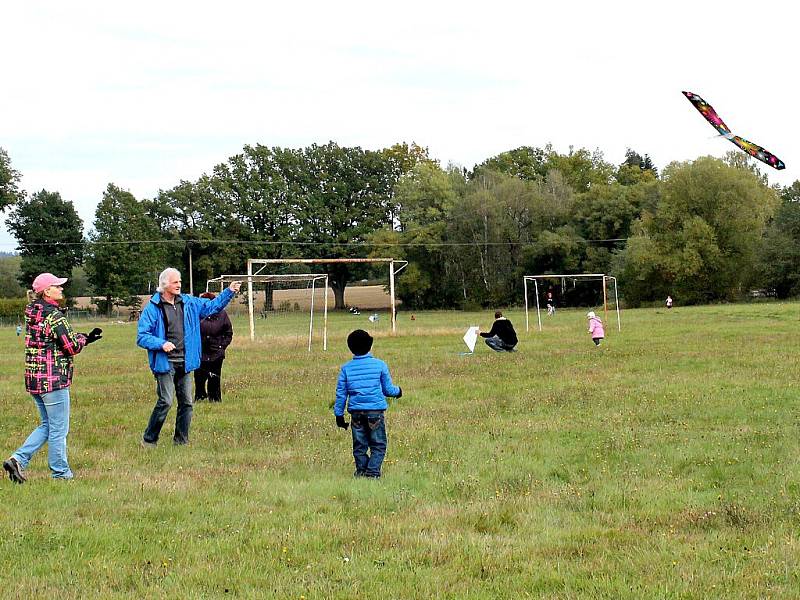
[[752, 149]]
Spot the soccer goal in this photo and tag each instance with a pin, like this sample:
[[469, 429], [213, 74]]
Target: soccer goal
[[565, 281], [286, 304], [371, 301]]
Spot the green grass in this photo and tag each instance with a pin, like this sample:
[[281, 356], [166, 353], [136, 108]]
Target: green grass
[[662, 465]]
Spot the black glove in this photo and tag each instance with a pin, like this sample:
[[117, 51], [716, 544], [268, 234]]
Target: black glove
[[94, 335], [400, 394], [340, 422]]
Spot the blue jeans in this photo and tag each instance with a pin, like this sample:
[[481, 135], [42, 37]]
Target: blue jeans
[[369, 433], [54, 414], [498, 345], [177, 383]]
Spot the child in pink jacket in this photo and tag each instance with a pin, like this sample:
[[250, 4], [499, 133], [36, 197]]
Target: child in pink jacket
[[595, 328]]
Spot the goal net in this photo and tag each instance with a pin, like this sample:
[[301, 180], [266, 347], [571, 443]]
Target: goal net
[[289, 310], [548, 293], [368, 293]]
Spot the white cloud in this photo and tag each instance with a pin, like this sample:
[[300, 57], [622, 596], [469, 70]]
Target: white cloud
[[145, 95]]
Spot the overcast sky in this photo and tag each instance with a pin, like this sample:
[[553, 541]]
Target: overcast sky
[[148, 93]]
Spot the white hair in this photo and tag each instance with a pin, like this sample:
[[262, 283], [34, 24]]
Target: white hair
[[163, 279]]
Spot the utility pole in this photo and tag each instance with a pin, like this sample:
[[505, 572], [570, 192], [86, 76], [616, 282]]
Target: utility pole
[[191, 280]]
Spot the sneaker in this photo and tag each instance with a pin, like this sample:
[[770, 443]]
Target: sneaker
[[15, 472], [145, 444]]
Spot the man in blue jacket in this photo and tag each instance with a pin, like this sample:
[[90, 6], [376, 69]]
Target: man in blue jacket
[[363, 385], [169, 329]]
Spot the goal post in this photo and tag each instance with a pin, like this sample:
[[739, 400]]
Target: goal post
[[602, 277], [295, 289], [257, 266]]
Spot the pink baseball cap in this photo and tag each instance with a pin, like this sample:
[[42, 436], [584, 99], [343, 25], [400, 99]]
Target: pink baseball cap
[[45, 280]]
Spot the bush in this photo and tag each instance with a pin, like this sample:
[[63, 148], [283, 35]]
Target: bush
[[12, 308]]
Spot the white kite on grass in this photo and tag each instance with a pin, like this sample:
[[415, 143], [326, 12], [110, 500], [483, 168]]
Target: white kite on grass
[[470, 337]]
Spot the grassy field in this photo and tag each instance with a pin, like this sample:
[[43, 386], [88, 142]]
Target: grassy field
[[662, 465]]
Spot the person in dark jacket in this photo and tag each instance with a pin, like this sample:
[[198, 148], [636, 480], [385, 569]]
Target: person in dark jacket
[[550, 300], [169, 329], [362, 387], [50, 344], [502, 337], [216, 333]]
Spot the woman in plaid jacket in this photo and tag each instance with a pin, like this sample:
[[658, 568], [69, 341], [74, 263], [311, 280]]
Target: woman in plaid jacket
[[50, 344]]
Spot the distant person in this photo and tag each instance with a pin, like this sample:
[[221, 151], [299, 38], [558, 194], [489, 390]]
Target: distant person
[[501, 337], [169, 329], [551, 303], [19, 330], [362, 387], [595, 328], [50, 344], [669, 302], [216, 333]]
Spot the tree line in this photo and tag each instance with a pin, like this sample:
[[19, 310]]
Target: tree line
[[702, 231]]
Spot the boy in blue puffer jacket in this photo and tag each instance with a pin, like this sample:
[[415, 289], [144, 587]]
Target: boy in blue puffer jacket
[[363, 385]]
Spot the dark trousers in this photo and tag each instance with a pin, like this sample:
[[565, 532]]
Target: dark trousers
[[177, 383], [369, 434], [208, 373]]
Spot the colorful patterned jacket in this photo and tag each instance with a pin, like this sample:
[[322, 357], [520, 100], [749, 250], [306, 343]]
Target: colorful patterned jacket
[[50, 345]]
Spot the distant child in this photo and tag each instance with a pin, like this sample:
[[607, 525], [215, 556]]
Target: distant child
[[363, 385], [19, 330], [669, 302], [551, 304], [595, 328]]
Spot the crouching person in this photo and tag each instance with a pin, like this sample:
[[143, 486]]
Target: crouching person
[[502, 337], [362, 387]]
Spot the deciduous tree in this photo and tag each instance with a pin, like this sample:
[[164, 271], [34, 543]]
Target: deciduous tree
[[702, 235], [9, 181], [49, 234], [779, 259], [118, 268]]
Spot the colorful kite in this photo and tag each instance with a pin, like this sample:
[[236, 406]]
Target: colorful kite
[[752, 149]]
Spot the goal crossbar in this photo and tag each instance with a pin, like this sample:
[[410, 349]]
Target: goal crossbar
[[574, 276], [267, 278]]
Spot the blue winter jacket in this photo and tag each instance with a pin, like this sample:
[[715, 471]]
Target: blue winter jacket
[[152, 335], [363, 384]]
